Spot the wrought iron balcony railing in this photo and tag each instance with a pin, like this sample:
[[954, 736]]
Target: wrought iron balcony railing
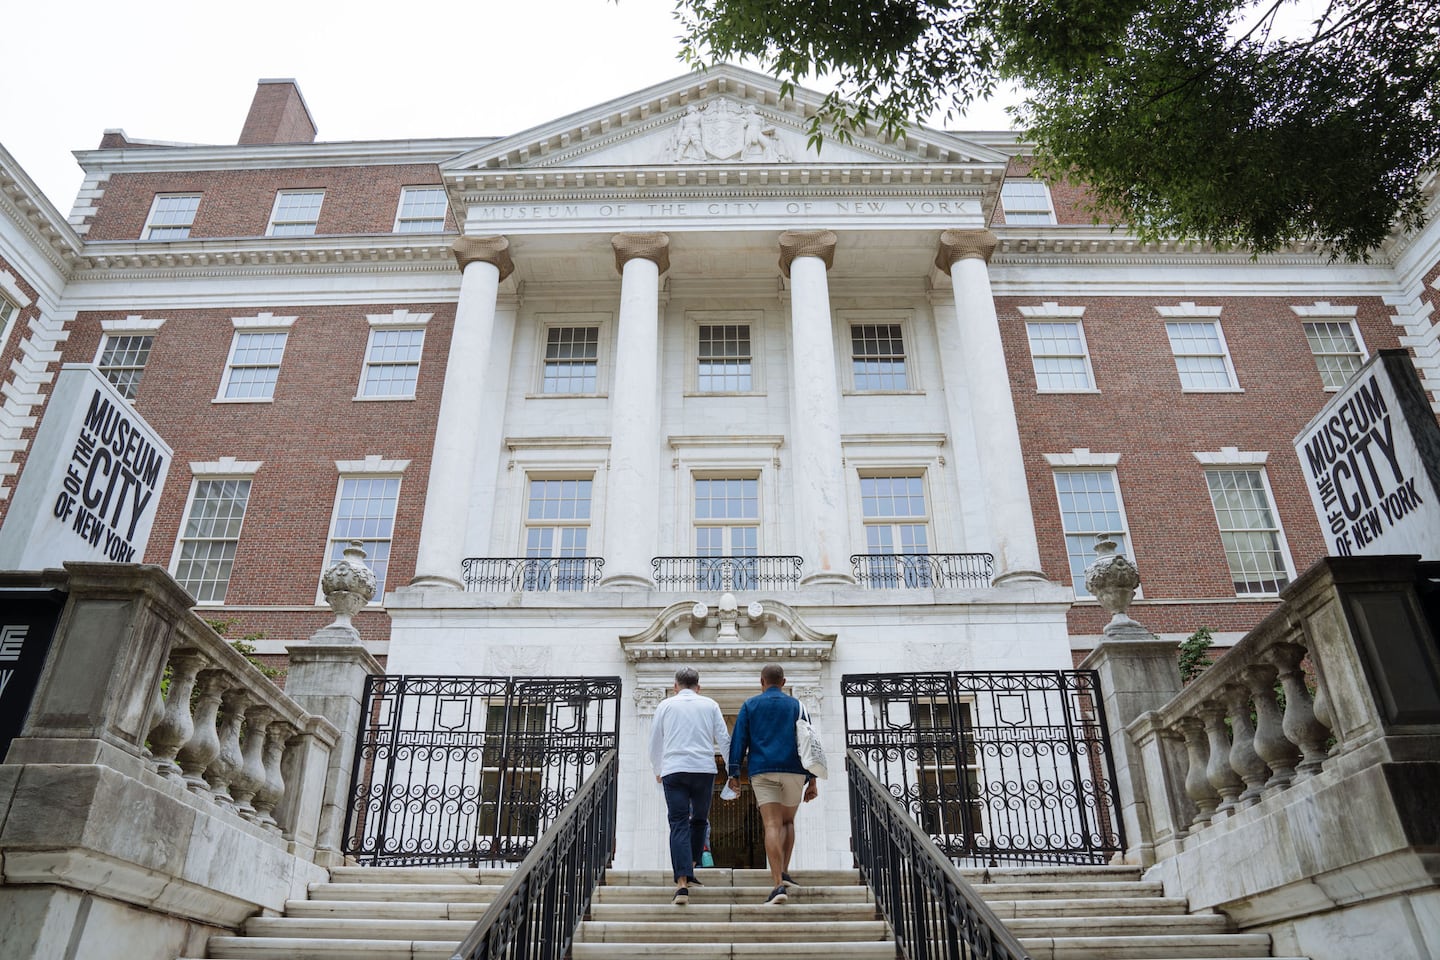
[[713, 574], [506, 574], [922, 571]]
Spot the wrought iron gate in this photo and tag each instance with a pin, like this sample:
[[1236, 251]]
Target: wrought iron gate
[[1012, 767], [469, 770]]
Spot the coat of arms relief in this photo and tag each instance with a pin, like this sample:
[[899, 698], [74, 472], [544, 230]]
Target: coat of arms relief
[[722, 131]]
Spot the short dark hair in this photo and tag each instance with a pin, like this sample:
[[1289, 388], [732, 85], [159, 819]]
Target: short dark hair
[[687, 677], [772, 675]]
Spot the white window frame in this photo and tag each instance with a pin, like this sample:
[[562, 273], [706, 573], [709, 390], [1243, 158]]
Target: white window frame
[[1033, 216], [547, 322], [373, 467], [151, 225], [1324, 312], [754, 320], [847, 320], [1188, 312], [757, 523], [9, 313], [277, 223], [1232, 459], [263, 323], [226, 468], [1099, 464], [131, 326], [402, 221], [399, 320], [748, 456], [1053, 313]]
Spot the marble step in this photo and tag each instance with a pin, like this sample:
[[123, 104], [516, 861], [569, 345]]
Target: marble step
[[1070, 891], [405, 892], [1089, 907], [384, 910], [1051, 873], [487, 876], [284, 948], [704, 932], [657, 894], [697, 910], [1121, 926], [874, 950], [311, 928], [724, 877], [1181, 947]]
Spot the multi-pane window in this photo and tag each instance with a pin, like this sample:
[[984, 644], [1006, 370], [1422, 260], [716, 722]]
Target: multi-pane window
[[557, 526], [8, 313], [254, 365], [1337, 350], [727, 517], [1200, 355], [296, 213], [572, 360], [209, 538], [122, 361], [725, 358], [365, 511], [897, 529], [392, 362], [878, 354], [948, 775], [1089, 505], [422, 210], [1249, 529], [1057, 349], [171, 216], [511, 784], [1026, 202]]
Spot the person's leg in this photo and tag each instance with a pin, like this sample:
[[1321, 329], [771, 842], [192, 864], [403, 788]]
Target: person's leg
[[677, 811], [702, 787], [772, 815]]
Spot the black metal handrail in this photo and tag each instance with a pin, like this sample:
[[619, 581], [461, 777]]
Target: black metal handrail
[[934, 912], [922, 571], [535, 914], [542, 574], [727, 573]]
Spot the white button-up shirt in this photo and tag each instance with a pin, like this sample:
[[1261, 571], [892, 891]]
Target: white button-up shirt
[[687, 732]]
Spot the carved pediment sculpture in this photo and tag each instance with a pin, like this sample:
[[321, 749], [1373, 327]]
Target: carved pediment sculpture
[[722, 131]]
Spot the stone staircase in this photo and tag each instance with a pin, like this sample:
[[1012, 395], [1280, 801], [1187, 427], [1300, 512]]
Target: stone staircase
[[1058, 913]]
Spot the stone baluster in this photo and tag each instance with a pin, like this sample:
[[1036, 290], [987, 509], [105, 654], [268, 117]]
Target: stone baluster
[[204, 744], [1270, 741], [251, 777], [229, 760], [176, 725], [1243, 758], [273, 789], [1218, 771], [1197, 783], [1301, 723]]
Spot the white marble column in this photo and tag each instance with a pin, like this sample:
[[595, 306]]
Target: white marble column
[[484, 263], [632, 526], [965, 256], [805, 257]]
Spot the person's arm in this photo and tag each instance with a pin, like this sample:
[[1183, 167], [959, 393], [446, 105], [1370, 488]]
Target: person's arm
[[722, 737], [738, 744]]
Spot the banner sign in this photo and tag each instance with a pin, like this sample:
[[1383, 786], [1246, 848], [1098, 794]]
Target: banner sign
[[1371, 460], [27, 626], [92, 482]]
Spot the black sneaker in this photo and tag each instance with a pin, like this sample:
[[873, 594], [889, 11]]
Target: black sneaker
[[681, 898], [777, 895], [787, 880], [693, 882]]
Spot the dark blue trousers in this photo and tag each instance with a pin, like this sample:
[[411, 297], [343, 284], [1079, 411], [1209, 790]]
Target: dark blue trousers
[[687, 803]]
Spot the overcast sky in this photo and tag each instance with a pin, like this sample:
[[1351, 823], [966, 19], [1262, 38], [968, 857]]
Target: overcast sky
[[186, 71]]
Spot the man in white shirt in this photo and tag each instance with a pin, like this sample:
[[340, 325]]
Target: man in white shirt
[[687, 733]]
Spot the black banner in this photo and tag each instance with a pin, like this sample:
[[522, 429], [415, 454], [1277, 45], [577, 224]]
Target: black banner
[[27, 626]]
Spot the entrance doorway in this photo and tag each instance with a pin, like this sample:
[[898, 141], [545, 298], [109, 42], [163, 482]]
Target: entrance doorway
[[737, 837]]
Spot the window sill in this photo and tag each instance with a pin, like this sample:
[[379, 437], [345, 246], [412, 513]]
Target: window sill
[[359, 399], [1212, 390], [852, 392], [243, 400], [567, 396], [725, 393], [1053, 393]]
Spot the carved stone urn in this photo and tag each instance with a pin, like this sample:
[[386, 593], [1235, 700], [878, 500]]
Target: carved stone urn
[[348, 586], [1112, 579]]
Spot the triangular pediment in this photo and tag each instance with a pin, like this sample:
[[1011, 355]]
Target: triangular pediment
[[724, 116]]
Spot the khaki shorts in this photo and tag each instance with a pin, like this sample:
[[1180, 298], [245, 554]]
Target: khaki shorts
[[783, 788]]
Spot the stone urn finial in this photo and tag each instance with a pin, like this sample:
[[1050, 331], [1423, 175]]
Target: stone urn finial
[[1111, 578], [348, 586]]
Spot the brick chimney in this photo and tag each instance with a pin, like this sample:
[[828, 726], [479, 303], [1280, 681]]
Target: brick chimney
[[278, 115]]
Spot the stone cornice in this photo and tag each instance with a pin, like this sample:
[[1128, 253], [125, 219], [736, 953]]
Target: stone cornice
[[258, 256], [184, 157], [25, 205]]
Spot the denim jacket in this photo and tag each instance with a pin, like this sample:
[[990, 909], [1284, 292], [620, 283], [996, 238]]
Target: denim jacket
[[765, 729]]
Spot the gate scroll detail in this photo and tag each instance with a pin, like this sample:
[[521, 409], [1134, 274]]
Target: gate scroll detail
[[471, 770], [1011, 767]]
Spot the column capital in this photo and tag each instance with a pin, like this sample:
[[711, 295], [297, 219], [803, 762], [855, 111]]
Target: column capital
[[654, 247], [964, 245], [806, 243], [494, 250]]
